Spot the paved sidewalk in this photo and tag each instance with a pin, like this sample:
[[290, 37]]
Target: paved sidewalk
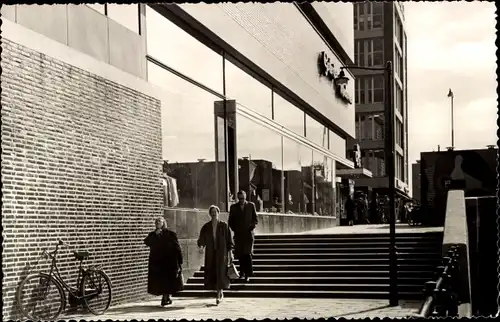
[[253, 308], [368, 229]]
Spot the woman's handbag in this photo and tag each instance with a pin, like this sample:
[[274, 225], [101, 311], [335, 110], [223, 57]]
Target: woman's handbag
[[232, 272], [179, 281]]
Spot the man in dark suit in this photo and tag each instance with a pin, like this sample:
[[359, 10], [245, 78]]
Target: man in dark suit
[[243, 220]]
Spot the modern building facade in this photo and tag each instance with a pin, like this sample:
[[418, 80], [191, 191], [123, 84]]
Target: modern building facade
[[113, 115], [380, 36]]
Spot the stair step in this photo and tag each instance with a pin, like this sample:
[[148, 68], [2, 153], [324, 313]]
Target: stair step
[[324, 280], [354, 256], [350, 261], [336, 244], [264, 250], [303, 294], [311, 287], [336, 267], [351, 235], [350, 239], [337, 274]]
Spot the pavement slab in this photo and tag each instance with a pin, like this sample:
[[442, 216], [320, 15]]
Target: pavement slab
[[252, 308]]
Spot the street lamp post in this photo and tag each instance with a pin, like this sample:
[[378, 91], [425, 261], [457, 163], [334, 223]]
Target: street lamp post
[[451, 96], [390, 165]]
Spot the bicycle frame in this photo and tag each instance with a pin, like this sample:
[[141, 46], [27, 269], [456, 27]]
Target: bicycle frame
[[54, 273]]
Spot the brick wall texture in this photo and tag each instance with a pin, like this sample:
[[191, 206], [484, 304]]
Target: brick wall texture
[[81, 162]]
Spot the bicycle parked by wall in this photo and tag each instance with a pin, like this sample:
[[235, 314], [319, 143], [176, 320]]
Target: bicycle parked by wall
[[41, 296]]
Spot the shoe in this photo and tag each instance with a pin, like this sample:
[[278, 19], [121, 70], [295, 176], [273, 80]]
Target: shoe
[[166, 301], [247, 279]]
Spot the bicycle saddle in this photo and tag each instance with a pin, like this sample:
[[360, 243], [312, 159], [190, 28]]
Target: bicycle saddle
[[81, 255]]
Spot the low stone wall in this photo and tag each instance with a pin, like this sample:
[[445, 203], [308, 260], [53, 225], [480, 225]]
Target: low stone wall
[[187, 224], [456, 233]]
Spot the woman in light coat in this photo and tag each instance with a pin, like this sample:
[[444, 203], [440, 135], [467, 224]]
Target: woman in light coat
[[215, 237]]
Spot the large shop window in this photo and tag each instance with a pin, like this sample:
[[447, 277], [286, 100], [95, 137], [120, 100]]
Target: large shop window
[[316, 132], [337, 144], [297, 167], [126, 15], [187, 117], [260, 164], [179, 50], [288, 115], [247, 90], [323, 185]]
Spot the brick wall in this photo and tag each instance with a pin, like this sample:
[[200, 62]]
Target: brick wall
[[81, 161]]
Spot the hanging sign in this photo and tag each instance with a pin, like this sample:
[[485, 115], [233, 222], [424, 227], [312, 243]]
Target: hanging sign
[[327, 69]]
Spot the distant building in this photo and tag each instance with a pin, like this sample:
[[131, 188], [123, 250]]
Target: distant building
[[415, 180]]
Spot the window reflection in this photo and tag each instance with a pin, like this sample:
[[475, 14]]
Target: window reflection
[[126, 15], [187, 142], [259, 164], [297, 162], [337, 144], [247, 90], [177, 49], [323, 186], [288, 115], [316, 132]]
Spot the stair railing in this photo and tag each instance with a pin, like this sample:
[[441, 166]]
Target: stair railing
[[441, 299]]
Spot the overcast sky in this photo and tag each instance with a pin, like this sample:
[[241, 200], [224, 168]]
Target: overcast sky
[[451, 45]]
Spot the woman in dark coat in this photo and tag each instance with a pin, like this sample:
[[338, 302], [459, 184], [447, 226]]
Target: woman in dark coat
[[215, 237], [165, 261]]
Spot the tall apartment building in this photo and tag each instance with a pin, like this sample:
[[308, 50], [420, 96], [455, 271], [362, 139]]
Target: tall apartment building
[[379, 33]]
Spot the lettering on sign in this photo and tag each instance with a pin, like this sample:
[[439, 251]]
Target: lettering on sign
[[327, 69]]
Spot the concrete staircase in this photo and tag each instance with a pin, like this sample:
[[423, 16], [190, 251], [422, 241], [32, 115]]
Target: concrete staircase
[[334, 266]]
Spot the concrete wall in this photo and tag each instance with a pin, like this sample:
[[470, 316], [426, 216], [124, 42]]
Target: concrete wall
[[82, 28], [187, 224], [281, 41], [339, 17], [456, 233]]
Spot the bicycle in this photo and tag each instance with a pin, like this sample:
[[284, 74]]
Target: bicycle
[[89, 286]]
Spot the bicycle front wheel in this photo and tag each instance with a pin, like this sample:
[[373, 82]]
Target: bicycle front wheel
[[40, 297], [96, 291]]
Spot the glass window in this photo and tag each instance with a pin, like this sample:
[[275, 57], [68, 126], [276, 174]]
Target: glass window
[[323, 188], [259, 164], [187, 121], [378, 14], [297, 162], [126, 15], [316, 132], [378, 89], [288, 115], [179, 50], [247, 90], [337, 144], [97, 7]]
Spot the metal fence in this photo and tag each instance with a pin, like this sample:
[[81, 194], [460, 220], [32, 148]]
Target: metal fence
[[441, 299]]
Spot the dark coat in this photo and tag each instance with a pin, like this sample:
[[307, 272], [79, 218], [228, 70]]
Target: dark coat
[[165, 259], [350, 209], [243, 223], [217, 255]]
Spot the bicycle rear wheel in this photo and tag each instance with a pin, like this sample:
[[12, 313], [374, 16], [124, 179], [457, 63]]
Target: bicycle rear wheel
[[40, 297], [96, 291]]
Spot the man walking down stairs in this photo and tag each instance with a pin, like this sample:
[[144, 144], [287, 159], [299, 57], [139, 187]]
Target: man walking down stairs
[[354, 265]]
